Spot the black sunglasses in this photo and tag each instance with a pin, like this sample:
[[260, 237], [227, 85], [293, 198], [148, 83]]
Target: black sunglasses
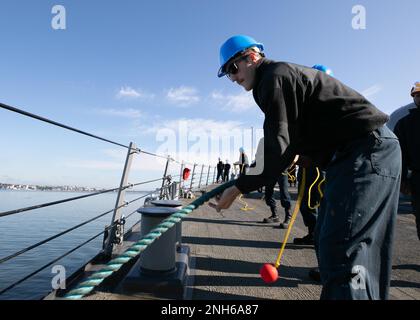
[[233, 67]]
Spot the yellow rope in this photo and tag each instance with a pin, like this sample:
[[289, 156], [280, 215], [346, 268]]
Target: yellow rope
[[289, 175], [245, 208], [292, 221], [319, 190], [319, 187]]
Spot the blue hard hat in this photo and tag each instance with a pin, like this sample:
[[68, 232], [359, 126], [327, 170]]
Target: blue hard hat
[[232, 47], [323, 68]]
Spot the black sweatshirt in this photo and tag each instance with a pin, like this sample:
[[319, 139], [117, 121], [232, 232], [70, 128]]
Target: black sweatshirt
[[408, 132], [307, 112]]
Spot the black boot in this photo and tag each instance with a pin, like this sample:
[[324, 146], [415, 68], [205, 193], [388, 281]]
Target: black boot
[[306, 240], [315, 275], [274, 216], [271, 219], [286, 221]]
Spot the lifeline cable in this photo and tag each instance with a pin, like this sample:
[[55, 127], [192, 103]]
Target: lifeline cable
[[133, 251]]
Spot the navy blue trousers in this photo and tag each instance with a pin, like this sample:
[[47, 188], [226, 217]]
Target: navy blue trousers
[[415, 198], [285, 199], [355, 226], [219, 176]]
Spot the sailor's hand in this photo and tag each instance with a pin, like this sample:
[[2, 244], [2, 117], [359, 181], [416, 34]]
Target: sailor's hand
[[226, 200]]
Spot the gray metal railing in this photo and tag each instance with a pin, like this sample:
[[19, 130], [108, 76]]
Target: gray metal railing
[[114, 237]]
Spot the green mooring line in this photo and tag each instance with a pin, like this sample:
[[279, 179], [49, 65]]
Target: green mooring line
[[87, 286]]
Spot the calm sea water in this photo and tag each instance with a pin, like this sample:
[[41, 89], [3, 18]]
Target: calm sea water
[[24, 229]]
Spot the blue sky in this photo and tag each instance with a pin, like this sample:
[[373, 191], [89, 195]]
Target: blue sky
[[125, 69]]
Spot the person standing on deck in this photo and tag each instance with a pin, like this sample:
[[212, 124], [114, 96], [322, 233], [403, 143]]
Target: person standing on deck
[[407, 130], [316, 117], [220, 167], [226, 170], [243, 162], [311, 196], [285, 199]]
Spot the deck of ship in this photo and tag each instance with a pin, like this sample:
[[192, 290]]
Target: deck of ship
[[227, 250]]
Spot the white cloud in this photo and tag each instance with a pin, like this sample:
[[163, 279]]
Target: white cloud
[[200, 140], [183, 96], [130, 93], [126, 113], [195, 124], [196, 140], [235, 103], [371, 91]]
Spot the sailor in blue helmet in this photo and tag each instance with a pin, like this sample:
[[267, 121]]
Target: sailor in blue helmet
[[323, 68], [311, 197], [328, 124], [311, 200], [407, 130]]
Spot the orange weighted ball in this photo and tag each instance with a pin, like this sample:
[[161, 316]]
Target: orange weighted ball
[[269, 273]]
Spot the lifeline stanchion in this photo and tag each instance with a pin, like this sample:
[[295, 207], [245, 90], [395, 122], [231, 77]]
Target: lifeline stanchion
[[268, 271], [114, 265]]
